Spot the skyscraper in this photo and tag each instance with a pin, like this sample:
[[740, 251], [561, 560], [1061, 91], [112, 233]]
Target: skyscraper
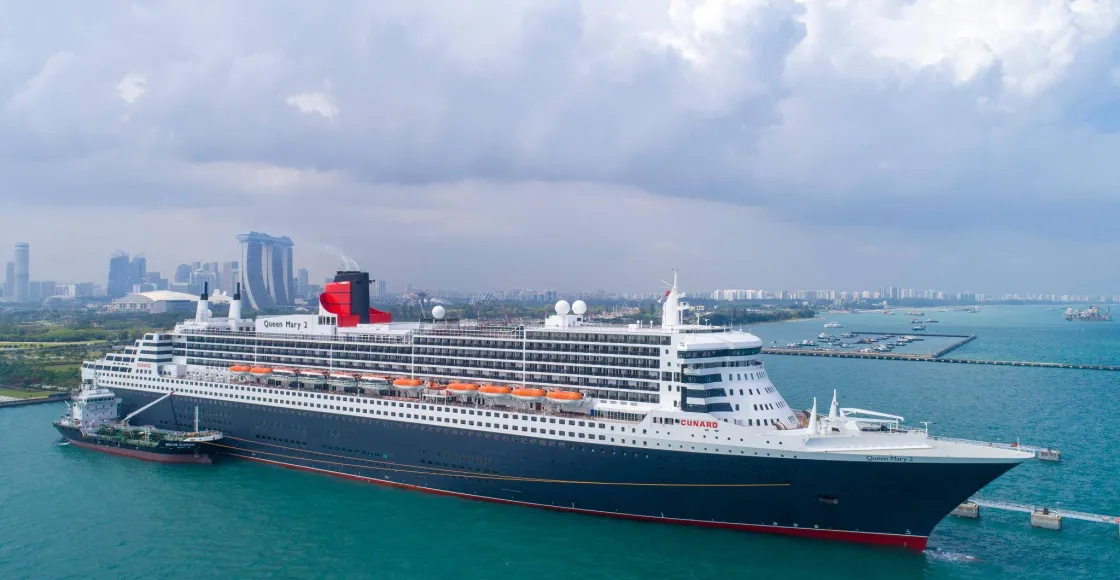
[[266, 273], [22, 273], [137, 269], [303, 282], [10, 282], [230, 276], [119, 276], [183, 273]]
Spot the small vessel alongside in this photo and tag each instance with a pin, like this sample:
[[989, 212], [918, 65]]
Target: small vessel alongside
[[91, 423]]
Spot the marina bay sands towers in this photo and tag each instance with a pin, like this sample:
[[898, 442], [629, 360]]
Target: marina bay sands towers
[[267, 277]]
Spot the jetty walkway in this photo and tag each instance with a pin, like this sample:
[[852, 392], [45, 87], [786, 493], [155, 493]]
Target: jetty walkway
[[1041, 516], [931, 358], [938, 356]]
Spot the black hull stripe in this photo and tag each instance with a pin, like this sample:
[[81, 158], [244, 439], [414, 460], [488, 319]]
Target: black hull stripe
[[420, 470], [902, 540]]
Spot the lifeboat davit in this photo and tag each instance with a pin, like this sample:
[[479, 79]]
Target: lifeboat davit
[[341, 379], [494, 391], [376, 382], [312, 377], [462, 389], [287, 376], [408, 385], [565, 398], [260, 372], [528, 394], [239, 370]]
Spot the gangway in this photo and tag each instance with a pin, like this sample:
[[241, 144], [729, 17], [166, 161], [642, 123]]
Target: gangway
[[1041, 516], [1030, 509]]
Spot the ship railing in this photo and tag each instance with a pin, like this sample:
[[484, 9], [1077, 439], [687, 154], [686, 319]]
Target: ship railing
[[401, 338], [450, 400]]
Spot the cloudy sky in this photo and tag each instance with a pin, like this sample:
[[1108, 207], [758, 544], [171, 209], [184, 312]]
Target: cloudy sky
[[953, 144]]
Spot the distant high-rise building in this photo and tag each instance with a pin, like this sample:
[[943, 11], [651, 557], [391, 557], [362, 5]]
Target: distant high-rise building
[[202, 278], [230, 276], [22, 287], [266, 271], [380, 289], [10, 281], [120, 276], [303, 282], [183, 274], [137, 269], [41, 290], [80, 290]]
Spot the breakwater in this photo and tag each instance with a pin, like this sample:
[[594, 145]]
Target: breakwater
[[54, 397], [935, 359]]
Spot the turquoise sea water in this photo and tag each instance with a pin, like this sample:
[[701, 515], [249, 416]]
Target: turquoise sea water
[[70, 513]]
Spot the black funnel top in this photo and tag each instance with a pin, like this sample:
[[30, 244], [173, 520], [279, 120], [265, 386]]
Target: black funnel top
[[359, 292]]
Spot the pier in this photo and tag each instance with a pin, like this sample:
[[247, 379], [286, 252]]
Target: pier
[[931, 358], [1041, 516], [938, 356]]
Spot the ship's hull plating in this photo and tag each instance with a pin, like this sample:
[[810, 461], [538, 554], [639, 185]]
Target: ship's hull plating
[[162, 453], [872, 502]]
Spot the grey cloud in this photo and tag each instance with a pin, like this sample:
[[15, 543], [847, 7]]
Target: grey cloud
[[821, 115]]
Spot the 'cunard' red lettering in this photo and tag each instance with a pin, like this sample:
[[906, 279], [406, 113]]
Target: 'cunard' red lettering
[[695, 423]]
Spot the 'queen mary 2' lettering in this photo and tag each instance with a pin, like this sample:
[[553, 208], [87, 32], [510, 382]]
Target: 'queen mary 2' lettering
[[695, 423]]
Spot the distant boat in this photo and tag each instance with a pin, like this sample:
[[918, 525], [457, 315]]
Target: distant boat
[[833, 325], [919, 327]]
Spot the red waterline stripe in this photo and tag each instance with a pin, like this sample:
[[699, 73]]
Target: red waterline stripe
[[898, 540], [144, 455]]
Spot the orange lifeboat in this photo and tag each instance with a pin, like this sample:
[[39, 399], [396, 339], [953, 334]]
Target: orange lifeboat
[[462, 389], [240, 370], [528, 394], [408, 385], [260, 371], [565, 398], [494, 391]]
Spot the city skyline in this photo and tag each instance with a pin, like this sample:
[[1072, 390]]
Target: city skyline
[[772, 143], [274, 259]]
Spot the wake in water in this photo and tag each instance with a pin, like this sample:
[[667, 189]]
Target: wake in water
[[943, 556]]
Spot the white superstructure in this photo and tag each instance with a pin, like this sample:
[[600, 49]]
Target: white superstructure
[[676, 386]]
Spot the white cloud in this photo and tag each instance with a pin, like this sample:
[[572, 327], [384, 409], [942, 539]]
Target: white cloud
[[318, 103], [36, 86], [132, 87], [820, 112]]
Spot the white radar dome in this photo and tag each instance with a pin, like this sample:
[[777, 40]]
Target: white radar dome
[[562, 307], [438, 312], [579, 307]]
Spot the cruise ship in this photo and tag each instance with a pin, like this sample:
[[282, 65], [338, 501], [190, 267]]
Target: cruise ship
[[671, 422]]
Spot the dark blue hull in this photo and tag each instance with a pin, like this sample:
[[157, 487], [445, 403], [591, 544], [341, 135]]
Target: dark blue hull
[[871, 502]]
